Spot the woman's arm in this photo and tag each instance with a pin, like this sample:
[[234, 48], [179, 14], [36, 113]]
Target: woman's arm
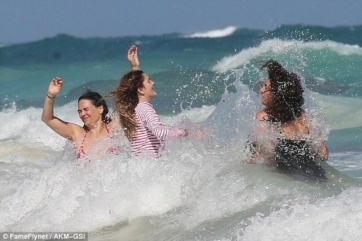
[[65, 129], [260, 152], [322, 151], [319, 139], [151, 119], [263, 145]]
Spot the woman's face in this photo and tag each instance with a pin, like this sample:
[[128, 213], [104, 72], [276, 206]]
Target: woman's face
[[148, 87], [89, 113], [267, 97]]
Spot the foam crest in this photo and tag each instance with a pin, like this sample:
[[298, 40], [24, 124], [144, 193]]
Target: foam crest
[[282, 47], [14, 123], [217, 33], [26, 126]]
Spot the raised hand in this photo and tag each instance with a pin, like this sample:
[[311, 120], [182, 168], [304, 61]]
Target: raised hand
[[132, 57], [55, 87]]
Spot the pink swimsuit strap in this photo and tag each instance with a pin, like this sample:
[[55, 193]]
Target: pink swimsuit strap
[[81, 149]]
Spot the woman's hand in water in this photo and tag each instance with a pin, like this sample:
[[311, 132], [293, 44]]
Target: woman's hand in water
[[55, 87], [200, 134], [252, 160]]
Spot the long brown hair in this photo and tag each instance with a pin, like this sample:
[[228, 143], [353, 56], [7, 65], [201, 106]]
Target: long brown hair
[[126, 100], [287, 93]]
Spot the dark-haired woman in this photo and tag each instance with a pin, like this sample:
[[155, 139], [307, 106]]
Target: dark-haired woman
[[296, 145], [92, 110]]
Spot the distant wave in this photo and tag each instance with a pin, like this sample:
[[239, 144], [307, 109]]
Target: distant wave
[[217, 33]]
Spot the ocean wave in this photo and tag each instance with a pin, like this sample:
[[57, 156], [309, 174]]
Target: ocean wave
[[340, 111], [217, 33], [176, 192], [347, 162], [327, 219], [282, 48]]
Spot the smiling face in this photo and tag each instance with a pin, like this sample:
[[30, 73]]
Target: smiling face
[[147, 91], [267, 97], [89, 113]]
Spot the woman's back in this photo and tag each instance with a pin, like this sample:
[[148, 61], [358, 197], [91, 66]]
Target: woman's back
[[295, 129]]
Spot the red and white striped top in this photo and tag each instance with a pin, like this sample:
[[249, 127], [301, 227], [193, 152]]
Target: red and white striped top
[[150, 132]]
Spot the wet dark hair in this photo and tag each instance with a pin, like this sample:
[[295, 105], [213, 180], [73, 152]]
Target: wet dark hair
[[287, 93], [97, 100]]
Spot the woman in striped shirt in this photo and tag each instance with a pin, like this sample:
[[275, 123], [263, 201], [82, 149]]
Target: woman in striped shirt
[[137, 116]]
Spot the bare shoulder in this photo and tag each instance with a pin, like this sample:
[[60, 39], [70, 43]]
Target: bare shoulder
[[303, 118], [262, 115], [75, 132]]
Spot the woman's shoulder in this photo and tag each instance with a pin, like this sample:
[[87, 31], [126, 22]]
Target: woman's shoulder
[[262, 115], [303, 118], [78, 132], [144, 107]]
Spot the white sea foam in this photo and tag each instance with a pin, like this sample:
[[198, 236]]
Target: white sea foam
[[176, 191], [335, 218], [194, 115], [217, 33], [198, 189], [283, 47], [26, 126]]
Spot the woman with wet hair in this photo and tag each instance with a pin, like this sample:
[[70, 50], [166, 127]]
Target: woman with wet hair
[[282, 95], [297, 145], [141, 123], [92, 110]]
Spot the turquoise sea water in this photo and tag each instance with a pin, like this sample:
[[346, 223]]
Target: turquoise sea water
[[198, 190]]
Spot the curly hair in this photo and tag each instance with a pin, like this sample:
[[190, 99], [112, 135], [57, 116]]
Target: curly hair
[[126, 100], [287, 93], [97, 100]]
